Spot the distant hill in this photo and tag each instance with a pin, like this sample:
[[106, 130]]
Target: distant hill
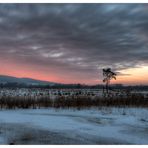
[[28, 81]]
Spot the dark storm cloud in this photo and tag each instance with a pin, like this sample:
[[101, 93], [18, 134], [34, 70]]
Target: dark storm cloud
[[75, 38]]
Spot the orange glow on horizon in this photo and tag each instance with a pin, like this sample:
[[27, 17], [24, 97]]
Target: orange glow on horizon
[[136, 76], [19, 70]]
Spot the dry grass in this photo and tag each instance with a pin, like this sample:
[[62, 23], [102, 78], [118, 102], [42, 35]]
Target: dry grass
[[76, 101]]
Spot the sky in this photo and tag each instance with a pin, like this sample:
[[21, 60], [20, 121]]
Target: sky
[[72, 43]]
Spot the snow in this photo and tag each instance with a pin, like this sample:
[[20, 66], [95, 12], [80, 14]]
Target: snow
[[52, 93], [117, 125]]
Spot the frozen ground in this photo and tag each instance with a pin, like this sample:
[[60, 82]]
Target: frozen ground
[[92, 126]]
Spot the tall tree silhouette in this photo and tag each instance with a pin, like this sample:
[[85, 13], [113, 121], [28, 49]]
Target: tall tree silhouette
[[108, 75]]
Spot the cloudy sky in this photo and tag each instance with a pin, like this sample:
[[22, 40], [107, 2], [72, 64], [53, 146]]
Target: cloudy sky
[[71, 43]]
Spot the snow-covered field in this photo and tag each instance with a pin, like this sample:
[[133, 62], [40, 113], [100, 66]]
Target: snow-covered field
[[37, 92], [89, 126], [55, 93]]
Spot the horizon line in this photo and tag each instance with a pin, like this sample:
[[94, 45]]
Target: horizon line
[[73, 83]]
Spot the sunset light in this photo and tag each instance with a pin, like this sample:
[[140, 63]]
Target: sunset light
[[73, 74], [73, 43]]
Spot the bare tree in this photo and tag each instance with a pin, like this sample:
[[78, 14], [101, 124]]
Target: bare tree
[[108, 75]]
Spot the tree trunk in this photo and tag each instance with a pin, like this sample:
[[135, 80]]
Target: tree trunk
[[107, 88]]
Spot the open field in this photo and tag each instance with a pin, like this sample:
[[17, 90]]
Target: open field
[[89, 126], [53, 93], [78, 116]]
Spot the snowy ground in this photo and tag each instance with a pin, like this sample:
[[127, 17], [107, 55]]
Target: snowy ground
[[92, 126]]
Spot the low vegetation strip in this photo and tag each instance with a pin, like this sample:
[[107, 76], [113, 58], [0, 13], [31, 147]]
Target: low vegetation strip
[[77, 101]]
